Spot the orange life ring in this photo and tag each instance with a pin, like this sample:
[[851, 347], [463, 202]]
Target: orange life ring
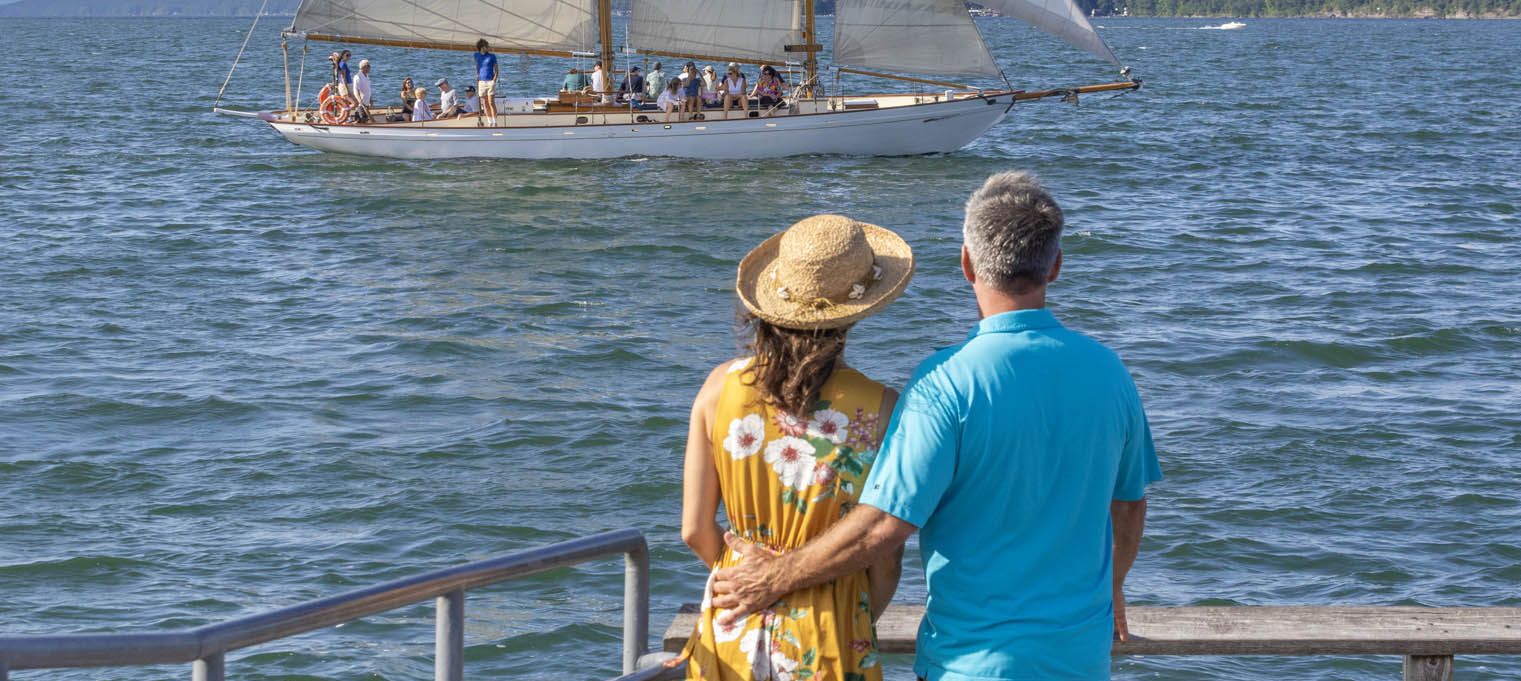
[[327, 91], [334, 110]]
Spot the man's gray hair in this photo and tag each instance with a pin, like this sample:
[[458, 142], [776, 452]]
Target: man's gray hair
[[1013, 231]]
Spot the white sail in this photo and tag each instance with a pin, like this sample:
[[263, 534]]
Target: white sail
[[549, 25], [1061, 18], [915, 36], [750, 30]]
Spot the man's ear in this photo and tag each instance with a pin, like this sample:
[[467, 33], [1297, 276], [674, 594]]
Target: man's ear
[[966, 265], [1056, 269]]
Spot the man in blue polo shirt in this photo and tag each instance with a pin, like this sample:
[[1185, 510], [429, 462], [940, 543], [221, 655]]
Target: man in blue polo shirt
[[1021, 456]]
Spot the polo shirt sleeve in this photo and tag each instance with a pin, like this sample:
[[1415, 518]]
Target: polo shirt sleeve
[[918, 456], [1138, 460]]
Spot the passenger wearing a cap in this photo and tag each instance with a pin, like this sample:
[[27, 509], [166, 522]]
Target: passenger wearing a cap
[[448, 99], [785, 437], [632, 87], [420, 110], [472, 101], [362, 84], [709, 91]]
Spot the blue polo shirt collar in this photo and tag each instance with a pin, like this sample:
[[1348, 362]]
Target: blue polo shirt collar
[[1016, 321]]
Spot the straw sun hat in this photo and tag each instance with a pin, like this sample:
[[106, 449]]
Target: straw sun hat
[[824, 272]]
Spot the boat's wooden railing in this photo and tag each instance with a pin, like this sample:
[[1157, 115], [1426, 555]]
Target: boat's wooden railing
[[1428, 638]]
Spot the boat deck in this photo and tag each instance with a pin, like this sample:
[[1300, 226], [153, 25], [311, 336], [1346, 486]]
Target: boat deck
[[573, 109]]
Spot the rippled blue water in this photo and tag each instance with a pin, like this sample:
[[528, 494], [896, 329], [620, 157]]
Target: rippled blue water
[[235, 374]]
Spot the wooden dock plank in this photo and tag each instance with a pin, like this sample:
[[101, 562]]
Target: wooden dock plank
[[1258, 630]]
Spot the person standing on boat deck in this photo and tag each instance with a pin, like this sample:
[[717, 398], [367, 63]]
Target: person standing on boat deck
[[599, 84], [472, 100], [342, 77], [785, 438], [654, 83], [485, 78], [420, 110], [632, 87], [733, 89], [362, 85], [448, 99], [1021, 456]]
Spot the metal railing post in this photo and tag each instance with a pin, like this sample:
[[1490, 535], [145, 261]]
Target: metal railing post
[[636, 606], [449, 637], [209, 668]]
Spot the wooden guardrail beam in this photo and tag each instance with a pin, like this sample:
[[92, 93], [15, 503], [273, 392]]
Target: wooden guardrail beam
[[1426, 637]]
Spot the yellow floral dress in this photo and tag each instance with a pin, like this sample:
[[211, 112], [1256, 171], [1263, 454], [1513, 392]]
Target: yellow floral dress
[[785, 479]]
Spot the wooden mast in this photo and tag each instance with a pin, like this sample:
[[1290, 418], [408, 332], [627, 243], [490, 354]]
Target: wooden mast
[[811, 64], [810, 47], [605, 40]]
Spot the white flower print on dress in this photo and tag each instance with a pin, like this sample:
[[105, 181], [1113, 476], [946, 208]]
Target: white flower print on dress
[[830, 425], [723, 634], [792, 459], [823, 475], [782, 666], [746, 436], [740, 365], [755, 646]]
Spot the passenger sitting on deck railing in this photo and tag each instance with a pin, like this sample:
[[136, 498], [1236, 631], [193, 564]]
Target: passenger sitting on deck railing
[[420, 110], [710, 84], [769, 88], [448, 100], [472, 101], [691, 91], [632, 87], [733, 88], [408, 96], [670, 99], [575, 81]]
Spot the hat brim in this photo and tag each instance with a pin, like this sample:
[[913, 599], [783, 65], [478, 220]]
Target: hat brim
[[892, 254]]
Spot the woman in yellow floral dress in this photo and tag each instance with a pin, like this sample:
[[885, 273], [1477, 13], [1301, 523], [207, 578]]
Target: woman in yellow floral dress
[[785, 438]]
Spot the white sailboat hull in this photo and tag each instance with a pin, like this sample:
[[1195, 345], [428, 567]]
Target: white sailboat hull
[[933, 127]]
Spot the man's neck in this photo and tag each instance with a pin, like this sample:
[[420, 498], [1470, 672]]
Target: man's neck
[[991, 301]]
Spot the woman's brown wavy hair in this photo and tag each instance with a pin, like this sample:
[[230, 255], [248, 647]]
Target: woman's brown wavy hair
[[790, 365]]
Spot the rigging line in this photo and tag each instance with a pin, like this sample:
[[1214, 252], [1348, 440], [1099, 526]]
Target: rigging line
[[238, 58], [301, 77]]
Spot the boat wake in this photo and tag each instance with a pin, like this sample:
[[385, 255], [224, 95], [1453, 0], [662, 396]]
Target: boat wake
[[1228, 26]]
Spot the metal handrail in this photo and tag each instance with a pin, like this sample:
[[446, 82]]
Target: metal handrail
[[206, 646]]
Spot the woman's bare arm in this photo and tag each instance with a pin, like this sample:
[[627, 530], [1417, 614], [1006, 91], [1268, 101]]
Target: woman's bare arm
[[699, 488], [882, 577]]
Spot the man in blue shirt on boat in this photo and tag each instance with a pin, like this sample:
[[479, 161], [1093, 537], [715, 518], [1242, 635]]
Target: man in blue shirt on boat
[[485, 83], [1021, 456]]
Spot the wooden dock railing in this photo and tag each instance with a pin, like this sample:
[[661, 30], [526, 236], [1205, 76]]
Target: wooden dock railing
[[1428, 638]]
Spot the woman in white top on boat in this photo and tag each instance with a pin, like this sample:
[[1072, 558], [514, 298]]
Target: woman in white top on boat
[[734, 89], [670, 98]]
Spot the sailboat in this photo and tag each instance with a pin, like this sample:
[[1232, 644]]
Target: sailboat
[[934, 40]]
